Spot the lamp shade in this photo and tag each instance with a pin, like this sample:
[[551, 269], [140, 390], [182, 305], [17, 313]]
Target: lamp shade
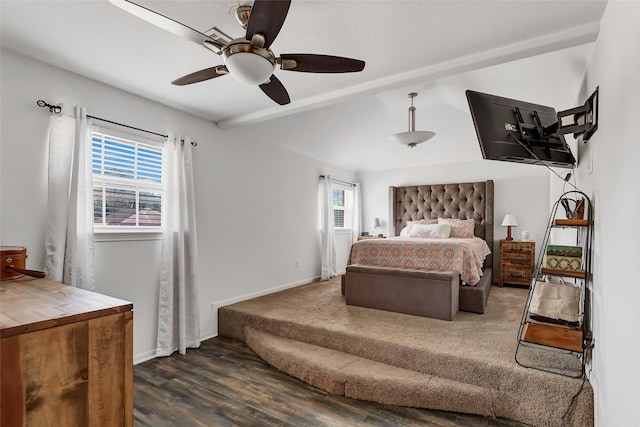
[[412, 138], [376, 222], [509, 220]]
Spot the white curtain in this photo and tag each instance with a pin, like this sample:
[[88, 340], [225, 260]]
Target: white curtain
[[329, 269], [179, 314], [357, 213], [69, 254]]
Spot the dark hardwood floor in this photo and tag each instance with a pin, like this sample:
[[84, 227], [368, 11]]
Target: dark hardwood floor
[[224, 383]]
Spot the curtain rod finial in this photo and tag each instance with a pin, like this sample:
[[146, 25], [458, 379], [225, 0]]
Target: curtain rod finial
[[57, 109]]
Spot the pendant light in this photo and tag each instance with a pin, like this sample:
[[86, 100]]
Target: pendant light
[[412, 137]]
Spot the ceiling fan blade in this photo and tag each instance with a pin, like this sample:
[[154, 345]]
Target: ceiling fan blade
[[166, 23], [311, 63], [202, 75], [267, 17], [276, 91]]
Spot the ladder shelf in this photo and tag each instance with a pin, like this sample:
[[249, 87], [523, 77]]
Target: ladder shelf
[[572, 263]]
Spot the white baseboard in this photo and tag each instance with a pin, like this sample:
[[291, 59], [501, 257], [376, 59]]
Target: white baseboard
[[217, 304], [208, 335], [263, 292], [151, 354], [143, 357]]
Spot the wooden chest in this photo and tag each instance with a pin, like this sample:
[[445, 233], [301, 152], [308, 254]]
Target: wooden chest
[[66, 354], [12, 256]]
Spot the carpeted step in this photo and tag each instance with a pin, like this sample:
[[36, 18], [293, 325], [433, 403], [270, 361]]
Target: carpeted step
[[352, 376], [475, 350]]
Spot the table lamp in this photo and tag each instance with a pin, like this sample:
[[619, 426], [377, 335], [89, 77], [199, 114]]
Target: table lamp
[[509, 221], [376, 226]]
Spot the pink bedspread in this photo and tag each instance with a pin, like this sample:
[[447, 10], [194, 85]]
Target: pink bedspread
[[464, 255]]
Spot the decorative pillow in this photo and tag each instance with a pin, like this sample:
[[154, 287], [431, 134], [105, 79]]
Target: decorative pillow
[[405, 231], [459, 227], [440, 231]]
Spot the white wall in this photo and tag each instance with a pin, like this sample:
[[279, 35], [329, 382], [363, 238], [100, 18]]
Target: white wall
[[612, 183], [256, 205], [522, 190]]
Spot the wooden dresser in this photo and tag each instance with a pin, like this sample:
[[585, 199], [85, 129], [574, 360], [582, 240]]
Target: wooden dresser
[[66, 356], [517, 261]]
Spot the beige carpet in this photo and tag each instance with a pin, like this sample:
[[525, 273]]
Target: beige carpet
[[465, 365]]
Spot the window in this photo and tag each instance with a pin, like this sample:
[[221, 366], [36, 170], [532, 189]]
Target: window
[[342, 197], [127, 183]]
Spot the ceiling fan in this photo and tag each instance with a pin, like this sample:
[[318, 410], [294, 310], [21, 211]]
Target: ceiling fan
[[248, 59]]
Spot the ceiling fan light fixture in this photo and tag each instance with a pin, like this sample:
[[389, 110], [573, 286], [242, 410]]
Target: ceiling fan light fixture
[[249, 68], [412, 137]]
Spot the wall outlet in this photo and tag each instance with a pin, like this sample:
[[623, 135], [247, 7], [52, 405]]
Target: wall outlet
[[297, 263]]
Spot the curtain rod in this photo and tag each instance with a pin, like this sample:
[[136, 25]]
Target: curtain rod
[[339, 181], [58, 109]]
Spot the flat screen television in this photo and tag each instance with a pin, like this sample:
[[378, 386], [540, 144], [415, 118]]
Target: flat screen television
[[517, 131]]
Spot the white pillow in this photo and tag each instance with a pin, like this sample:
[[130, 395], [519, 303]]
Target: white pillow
[[439, 231], [405, 231]]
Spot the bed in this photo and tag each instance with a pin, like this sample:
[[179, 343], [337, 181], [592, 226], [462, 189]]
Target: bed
[[466, 259]]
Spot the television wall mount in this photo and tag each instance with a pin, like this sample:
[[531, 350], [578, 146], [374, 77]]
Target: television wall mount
[[581, 120]]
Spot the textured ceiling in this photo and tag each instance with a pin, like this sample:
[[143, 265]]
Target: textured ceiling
[[407, 46]]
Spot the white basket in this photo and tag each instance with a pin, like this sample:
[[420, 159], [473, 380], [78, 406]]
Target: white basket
[[558, 301]]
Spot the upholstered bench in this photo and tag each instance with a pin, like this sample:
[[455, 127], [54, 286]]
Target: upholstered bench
[[421, 293]]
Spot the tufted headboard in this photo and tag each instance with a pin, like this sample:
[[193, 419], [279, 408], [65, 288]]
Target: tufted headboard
[[462, 201]]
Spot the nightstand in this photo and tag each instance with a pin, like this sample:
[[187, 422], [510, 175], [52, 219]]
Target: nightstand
[[370, 237], [517, 260]]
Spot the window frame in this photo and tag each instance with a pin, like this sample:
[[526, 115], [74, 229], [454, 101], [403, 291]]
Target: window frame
[[347, 208], [135, 232]]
